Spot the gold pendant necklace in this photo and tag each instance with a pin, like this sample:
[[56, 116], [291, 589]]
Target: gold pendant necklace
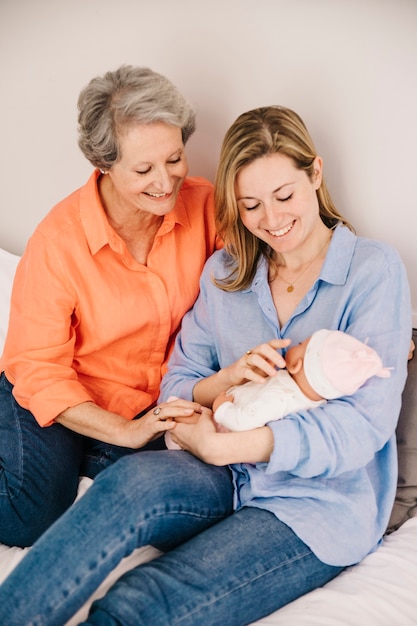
[[291, 284]]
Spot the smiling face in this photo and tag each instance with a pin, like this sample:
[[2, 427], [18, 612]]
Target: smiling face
[[277, 202], [150, 172]]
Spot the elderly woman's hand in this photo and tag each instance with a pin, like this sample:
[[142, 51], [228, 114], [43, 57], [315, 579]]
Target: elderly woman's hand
[[159, 420]]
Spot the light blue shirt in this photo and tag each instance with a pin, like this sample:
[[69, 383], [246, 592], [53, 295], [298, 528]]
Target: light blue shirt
[[333, 472]]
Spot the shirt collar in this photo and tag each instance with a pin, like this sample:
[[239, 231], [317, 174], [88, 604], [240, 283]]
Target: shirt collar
[[97, 228], [338, 260]]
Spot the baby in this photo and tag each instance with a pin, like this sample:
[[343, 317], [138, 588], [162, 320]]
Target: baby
[[329, 364]]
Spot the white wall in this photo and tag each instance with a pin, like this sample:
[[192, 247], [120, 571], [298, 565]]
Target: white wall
[[349, 67]]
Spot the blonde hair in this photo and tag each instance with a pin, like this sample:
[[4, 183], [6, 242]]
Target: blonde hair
[[256, 134]]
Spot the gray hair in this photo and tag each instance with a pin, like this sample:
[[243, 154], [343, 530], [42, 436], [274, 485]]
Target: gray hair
[[129, 95]]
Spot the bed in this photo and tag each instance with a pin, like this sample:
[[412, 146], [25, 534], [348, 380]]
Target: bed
[[379, 591]]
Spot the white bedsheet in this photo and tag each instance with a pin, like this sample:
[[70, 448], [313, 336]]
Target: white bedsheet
[[380, 591]]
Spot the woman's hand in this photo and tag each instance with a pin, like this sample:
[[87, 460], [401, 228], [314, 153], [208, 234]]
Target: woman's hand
[[159, 420], [255, 365], [197, 436], [258, 363], [202, 439]]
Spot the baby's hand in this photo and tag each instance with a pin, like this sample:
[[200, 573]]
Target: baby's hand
[[221, 398]]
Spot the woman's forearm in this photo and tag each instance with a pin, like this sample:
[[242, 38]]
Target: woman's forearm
[[90, 420], [202, 440], [207, 389], [251, 446]]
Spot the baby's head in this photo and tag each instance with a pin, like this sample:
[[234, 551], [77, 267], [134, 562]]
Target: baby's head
[[331, 364]]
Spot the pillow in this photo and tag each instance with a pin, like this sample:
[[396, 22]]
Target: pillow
[[405, 505], [8, 264]]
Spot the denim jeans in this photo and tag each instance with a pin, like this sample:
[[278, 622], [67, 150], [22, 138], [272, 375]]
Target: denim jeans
[[40, 469], [218, 567]]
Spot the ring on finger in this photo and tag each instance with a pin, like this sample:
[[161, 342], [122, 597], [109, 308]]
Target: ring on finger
[[157, 410], [248, 353]]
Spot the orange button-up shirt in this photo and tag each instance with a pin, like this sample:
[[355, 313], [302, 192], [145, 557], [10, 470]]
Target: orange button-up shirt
[[89, 323]]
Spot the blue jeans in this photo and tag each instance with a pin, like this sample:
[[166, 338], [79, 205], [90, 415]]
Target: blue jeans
[[40, 469], [217, 567]]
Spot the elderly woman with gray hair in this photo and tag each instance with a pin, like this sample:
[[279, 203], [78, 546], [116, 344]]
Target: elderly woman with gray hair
[[98, 299]]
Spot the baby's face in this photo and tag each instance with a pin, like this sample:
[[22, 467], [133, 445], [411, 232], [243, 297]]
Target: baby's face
[[296, 352], [295, 366]]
